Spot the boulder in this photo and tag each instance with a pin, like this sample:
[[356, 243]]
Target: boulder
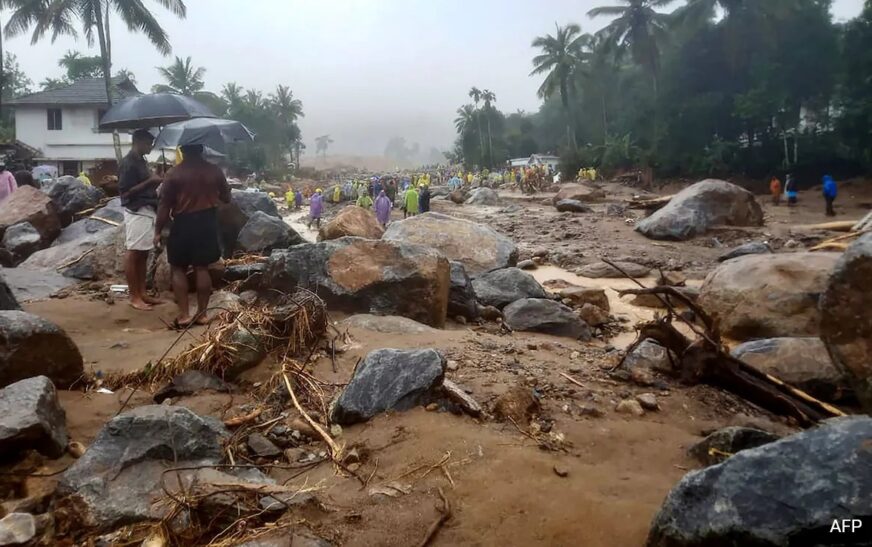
[[599, 270], [32, 418], [118, 479], [584, 193], [458, 196], [461, 296], [461, 398], [17, 529], [781, 494], [648, 355], [352, 221], [519, 404], [581, 296], [70, 196], [702, 206], [249, 353], [263, 233], [483, 196], [846, 317], [81, 229], [478, 247], [31, 346], [104, 250], [386, 324], [7, 298], [572, 206], [22, 240], [593, 315], [502, 287], [252, 202], [801, 362], [34, 283], [370, 276], [27, 204], [752, 248], [191, 382], [389, 379], [767, 296], [546, 316], [723, 443]]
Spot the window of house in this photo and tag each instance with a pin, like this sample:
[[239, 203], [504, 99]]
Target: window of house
[[55, 119]]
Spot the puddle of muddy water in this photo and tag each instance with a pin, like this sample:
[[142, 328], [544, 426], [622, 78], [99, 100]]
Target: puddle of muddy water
[[298, 220]]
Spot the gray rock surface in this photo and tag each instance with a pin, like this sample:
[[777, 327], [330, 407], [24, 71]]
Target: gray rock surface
[[191, 382], [117, 480], [781, 494], [32, 418], [752, 248], [27, 283], [599, 270], [648, 355], [263, 233], [252, 202], [702, 206], [461, 296], [88, 226], [581, 296], [572, 206], [387, 324], [70, 195], [7, 297], [27, 204], [546, 316], [502, 287], [483, 196], [22, 240], [17, 529], [389, 379], [32, 346], [725, 442]]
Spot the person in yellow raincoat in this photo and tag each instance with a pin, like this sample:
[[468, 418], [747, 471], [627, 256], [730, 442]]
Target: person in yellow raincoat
[[364, 201], [289, 198], [84, 178], [469, 178], [411, 202], [337, 194]]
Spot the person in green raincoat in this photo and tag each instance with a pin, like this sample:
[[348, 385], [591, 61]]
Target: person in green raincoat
[[337, 194], [364, 201], [411, 202]]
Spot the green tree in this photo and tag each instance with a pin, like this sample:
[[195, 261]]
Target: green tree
[[78, 66], [475, 95], [321, 144], [182, 78], [489, 98]]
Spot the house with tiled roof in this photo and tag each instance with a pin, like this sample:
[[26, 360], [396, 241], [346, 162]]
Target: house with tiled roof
[[62, 125]]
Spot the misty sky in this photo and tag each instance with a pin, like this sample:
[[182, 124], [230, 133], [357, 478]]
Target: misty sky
[[366, 70]]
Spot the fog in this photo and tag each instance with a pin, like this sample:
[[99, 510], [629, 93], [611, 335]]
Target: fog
[[366, 70]]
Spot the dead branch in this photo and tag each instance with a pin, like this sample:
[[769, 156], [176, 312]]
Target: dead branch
[[571, 379], [244, 419], [444, 515]]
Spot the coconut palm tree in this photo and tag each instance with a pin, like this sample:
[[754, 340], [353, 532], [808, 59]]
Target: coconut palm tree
[[489, 97], [182, 78], [475, 95], [58, 17], [637, 26], [232, 95], [321, 145], [465, 118], [561, 54], [288, 108], [597, 74]]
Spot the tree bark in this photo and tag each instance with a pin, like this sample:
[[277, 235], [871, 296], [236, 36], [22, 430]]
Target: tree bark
[[490, 142], [2, 72], [605, 118], [105, 53]]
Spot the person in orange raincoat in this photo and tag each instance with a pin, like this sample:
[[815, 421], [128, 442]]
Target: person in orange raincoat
[[775, 190]]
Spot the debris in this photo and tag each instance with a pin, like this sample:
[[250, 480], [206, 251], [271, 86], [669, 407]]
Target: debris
[[459, 397], [723, 443], [191, 382], [631, 407], [561, 471], [648, 401], [518, 405], [391, 490], [17, 529], [262, 447]]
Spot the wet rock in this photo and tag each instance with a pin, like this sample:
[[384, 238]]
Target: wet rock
[[801, 362], [752, 248], [572, 206], [648, 401], [702, 206], [581, 296], [17, 529], [527, 265], [263, 233], [34, 283], [191, 382], [32, 418], [249, 353], [461, 296], [7, 298], [352, 221], [22, 240], [518, 404], [70, 196], [546, 316], [31, 346], [387, 324], [616, 210], [286, 539], [94, 256], [389, 379], [362, 275], [483, 196], [27, 204], [822, 475], [118, 479], [458, 196], [262, 447], [846, 317], [649, 355], [251, 202], [241, 272], [584, 193], [82, 229], [490, 313], [502, 287], [630, 407], [478, 247], [458, 396], [599, 270], [767, 296], [725, 442], [593, 315]]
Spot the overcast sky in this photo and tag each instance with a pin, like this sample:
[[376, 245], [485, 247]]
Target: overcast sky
[[366, 70]]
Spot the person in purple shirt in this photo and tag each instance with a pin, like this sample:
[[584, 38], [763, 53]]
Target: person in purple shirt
[[383, 207], [316, 207], [7, 183]]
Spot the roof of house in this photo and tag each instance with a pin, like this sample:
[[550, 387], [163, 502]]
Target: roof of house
[[85, 91]]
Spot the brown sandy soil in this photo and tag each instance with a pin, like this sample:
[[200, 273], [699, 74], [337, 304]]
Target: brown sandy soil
[[502, 486]]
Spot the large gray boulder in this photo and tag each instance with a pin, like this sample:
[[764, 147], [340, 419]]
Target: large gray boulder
[[252, 202], [546, 316], [386, 324], [70, 196], [801, 362], [572, 206], [599, 270], [768, 295], [27, 283], [118, 479], [725, 442], [31, 346], [263, 233], [22, 240], [781, 494], [483, 196], [86, 227], [32, 418], [7, 297], [389, 379], [585, 193], [478, 247], [93, 256], [461, 297], [846, 317], [752, 248], [702, 206], [502, 287], [369, 276], [27, 204]]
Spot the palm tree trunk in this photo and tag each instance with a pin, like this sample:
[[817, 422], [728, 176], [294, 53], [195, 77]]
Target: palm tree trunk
[[480, 137], [490, 143], [107, 75], [570, 130], [605, 118], [2, 72]]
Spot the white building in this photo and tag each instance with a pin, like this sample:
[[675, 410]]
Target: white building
[[62, 125], [536, 159]]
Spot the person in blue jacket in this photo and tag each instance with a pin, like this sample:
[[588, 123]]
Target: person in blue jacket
[[830, 192]]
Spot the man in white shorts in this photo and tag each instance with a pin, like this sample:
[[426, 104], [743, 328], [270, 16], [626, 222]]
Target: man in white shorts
[[138, 188]]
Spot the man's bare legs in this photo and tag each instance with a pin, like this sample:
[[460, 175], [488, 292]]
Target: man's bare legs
[[180, 290], [135, 263], [204, 291]]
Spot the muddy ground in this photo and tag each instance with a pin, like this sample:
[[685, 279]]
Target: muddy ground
[[502, 485]]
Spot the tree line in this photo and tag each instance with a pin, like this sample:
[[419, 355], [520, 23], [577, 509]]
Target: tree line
[[712, 87]]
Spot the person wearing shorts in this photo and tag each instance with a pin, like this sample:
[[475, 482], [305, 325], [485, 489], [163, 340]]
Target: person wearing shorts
[[138, 188], [191, 194]]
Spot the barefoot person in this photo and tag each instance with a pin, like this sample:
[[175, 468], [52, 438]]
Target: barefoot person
[[138, 188], [191, 194]]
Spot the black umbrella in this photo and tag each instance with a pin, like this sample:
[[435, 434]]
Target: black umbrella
[[212, 133], [155, 110]]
